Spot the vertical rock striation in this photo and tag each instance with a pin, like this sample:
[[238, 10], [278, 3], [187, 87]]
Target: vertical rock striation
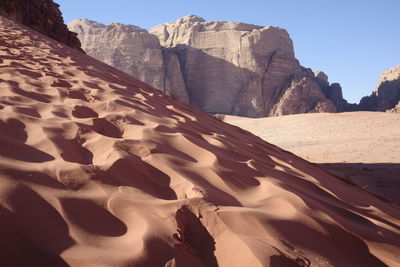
[[219, 67], [242, 69], [134, 51]]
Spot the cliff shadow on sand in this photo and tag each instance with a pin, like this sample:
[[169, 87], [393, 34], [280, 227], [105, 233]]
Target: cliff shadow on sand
[[380, 179]]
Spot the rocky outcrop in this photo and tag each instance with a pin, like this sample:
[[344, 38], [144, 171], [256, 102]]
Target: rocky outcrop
[[332, 91], [43, 16], [219, 67], [387, 93], [303, 95]]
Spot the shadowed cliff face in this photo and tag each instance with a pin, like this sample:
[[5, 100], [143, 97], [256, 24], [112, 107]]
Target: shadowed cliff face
[[386, 96], [43, 16], [218, 67]]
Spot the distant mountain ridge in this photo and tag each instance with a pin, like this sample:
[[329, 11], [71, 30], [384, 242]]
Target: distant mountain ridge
[[217, 66]]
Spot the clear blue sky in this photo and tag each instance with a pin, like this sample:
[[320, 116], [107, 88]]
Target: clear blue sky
[[352, 41]]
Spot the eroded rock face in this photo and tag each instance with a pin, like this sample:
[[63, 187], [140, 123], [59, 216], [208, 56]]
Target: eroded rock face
[[134, 51], [219, 67], [303, 95], [332, 91], [387, 93], [240, 69], [43, 16]]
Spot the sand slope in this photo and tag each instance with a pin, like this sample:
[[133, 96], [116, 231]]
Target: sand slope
[[98, 169]]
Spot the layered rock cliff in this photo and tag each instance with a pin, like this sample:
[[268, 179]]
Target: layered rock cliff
[[133, 50], [386, 94], [43, 16], [219, 67]]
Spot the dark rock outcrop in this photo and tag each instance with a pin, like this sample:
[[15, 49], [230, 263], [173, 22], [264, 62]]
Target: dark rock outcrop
[[43, 16], [332, 91], [387, 93], [217, 66]]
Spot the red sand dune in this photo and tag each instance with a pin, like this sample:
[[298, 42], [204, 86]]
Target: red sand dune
[[99, 169]]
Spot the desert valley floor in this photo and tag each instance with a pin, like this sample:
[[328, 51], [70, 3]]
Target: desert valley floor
[[360, 147]]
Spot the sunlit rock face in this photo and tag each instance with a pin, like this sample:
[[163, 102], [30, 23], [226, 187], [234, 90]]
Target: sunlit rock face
[[134, 51], [217, 66]]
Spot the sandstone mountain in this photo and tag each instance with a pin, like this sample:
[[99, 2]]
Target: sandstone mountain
[[41, 15], [219, 67], [387, 93]]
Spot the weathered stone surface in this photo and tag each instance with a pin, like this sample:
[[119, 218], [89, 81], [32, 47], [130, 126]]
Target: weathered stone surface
[[126, 47], [231, 68], [242, 69], [322, 79], [43, 16], [303, 95], [333, 92], [336, 96], [387, 93], [134, 51], [173, 80], [219, 67]]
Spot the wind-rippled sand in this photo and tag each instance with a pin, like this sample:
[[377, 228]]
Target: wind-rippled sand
[[99, 169]]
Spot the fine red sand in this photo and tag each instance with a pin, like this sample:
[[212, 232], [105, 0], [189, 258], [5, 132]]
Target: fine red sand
[[99, 169]]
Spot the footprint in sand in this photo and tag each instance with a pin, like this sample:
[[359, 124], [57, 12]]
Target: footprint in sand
[[104, 127], [82, 112], [61, 83]]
